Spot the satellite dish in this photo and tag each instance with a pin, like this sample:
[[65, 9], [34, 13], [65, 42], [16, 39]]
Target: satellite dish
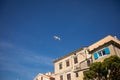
[[56, 38]]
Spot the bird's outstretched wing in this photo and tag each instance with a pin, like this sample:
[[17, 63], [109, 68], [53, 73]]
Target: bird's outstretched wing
[[56, 37]]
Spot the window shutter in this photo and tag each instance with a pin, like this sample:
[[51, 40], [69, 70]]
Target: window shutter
[[95, 56], [107, 51]]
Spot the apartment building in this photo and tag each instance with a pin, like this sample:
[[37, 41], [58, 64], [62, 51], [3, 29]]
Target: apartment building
[[71, 66], [46, 76], [104, 48]]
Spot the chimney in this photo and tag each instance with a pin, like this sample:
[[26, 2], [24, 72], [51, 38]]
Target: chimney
[[116, 37]]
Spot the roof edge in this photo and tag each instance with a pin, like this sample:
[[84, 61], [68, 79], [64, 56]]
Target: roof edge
[[56, 60]]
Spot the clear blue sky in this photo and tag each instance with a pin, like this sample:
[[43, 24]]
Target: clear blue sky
[[27, 28]]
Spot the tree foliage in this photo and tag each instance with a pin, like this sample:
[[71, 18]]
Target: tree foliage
[[109, 69]]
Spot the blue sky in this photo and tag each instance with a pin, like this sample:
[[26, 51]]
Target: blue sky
[[27, 28]]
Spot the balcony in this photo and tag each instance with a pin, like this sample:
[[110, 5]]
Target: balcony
[[82, 65], [77, 67]]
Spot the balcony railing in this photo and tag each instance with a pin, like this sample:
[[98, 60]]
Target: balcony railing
[[82, 65], [77, 67]]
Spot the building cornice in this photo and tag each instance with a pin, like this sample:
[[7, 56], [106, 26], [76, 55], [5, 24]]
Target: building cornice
[[106, 44], [107, 40], [74, 52]]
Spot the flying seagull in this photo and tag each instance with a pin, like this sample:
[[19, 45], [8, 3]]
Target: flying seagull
[[56, 38]]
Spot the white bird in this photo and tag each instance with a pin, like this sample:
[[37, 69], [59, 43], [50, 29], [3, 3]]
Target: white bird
[[56, 38]]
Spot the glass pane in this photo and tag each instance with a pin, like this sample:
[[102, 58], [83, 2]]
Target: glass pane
[[99, 53], [75, 60]]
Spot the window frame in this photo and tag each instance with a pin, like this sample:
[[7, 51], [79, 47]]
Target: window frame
[[76, 74], [88, 62], [75, 60], [67, 63], [41, 78], [69, 76], [61, 77], [101, 53], [60, 65]]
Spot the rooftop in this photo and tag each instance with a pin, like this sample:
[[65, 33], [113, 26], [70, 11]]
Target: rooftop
[[103, 41], [92, 47], [56, 60]]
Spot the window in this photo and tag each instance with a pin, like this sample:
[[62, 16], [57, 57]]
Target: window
[[69, 76], [76, 74], [67, 63], [88, 62], [101, 53], [60, 65], [61, 77], [41, 78], [36, 78], [75, 60]]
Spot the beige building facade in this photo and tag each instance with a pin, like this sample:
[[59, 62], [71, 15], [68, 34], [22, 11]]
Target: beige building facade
[[105, 48], [73, 65]]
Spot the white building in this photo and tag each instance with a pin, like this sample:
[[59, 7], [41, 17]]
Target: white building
[[47, 76]]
